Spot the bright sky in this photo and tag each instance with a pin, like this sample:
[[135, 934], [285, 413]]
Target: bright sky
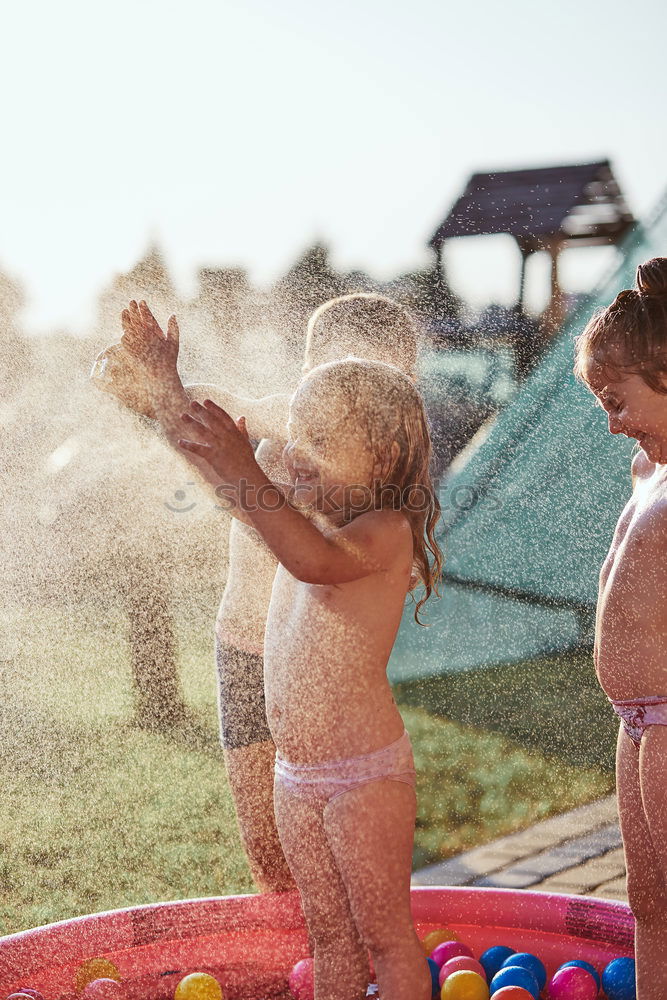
[[235, 132]]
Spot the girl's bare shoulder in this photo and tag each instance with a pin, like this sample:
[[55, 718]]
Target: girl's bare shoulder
[[642, 467]]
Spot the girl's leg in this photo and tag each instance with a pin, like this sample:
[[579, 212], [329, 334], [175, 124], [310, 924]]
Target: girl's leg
[[341, 961], [249, 757], [371, 831], [638, 791], [250, 775]]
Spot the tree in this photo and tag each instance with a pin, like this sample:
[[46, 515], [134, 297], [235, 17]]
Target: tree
[[306, 285]]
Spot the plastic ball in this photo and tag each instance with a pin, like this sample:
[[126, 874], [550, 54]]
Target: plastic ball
[[449, 949], [493, 958], [434, 969], [618, 979], [531, 962], [302, 980], [573, 983], [464, 986], [579, 962], [512, 993], [26, 991], [436, 937], [460, 963], [104, 989], [198, 986], [95, 968], [515, 975]]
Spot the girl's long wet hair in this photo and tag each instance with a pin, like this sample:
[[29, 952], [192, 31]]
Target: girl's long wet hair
[[382, 400], [630, 335]]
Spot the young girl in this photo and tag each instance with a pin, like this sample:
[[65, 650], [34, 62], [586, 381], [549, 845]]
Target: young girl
[[369, 326], [358, 455], [622, 357]]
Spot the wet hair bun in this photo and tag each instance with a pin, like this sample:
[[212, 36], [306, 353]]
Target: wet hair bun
[[652, 277]]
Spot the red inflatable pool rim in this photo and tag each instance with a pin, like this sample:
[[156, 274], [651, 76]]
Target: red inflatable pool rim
[[250, 943]]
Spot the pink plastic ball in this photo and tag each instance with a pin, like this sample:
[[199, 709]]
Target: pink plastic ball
[[460, 963], [25, 994], [104, 989], [302, 980], [449, 949], [573, 983]]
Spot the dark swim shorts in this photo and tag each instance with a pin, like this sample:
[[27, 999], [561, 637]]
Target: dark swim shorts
[[241, 702]]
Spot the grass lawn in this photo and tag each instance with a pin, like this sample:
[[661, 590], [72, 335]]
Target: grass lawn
[[100, 814]]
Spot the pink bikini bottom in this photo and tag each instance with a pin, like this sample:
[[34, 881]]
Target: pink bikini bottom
[[638, 713], [323, 782]]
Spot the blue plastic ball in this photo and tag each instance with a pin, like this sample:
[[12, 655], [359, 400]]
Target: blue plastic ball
[[618, 979], [493, 958], [531, 962], [579, 962], [515, 975], [434, 969]]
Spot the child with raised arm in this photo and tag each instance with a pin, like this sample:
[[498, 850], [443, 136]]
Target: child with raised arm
[[358, 454], [622, 357], [369, 326]]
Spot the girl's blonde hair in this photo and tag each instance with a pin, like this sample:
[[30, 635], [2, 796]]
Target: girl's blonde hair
[[382, 400], [630, 335], [366, 325]]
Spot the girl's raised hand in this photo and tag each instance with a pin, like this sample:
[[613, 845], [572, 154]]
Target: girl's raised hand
[[148, 346], [220, 441]]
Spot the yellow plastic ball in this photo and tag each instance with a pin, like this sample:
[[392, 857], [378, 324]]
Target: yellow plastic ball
[[434, 938], [464, 985], [95, 968], [198, 986]]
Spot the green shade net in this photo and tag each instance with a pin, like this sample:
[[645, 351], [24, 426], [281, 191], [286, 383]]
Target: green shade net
[[529, 514]]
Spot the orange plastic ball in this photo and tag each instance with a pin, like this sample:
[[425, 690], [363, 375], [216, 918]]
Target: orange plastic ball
[[198, 986], [434, 938], [95, 968]]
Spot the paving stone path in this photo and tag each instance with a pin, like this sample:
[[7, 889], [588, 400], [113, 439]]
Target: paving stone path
[[579, 852]]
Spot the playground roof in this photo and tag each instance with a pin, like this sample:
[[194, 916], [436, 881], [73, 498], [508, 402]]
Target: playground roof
[[580, 204]]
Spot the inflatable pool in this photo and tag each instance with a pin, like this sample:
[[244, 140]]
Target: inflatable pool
[[250, 943]]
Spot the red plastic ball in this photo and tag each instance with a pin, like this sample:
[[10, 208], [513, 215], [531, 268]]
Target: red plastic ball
[[104, 989], [512, 993], [460, 963], [302, 980]]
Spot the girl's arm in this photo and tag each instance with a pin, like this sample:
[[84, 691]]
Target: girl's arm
[[131, 379], [265, 417], [313, 553], [323, 554], [170, 401], [154, 357]]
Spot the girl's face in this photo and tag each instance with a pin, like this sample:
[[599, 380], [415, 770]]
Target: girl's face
[[632, 408], [326, 454]]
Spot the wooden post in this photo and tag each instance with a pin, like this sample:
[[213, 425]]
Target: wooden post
[[553, 316], [525, 254]]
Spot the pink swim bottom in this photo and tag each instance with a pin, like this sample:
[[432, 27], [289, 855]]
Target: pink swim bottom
[[320, 783], [638, 713]]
